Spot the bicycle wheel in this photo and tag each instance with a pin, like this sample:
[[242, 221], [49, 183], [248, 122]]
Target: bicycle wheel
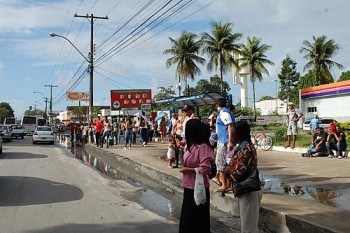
[[265, 143]]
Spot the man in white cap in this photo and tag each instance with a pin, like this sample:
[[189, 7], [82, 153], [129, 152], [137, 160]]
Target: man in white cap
[[292, 130]]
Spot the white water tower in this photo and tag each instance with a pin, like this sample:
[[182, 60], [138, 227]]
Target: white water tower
[[241, 75]]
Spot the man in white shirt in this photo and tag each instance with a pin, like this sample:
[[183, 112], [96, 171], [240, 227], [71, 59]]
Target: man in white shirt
[[188, 109], [293, 117]]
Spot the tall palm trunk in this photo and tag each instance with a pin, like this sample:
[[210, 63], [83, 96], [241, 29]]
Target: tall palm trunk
[[221, 73], [179, 85], [252, 76]]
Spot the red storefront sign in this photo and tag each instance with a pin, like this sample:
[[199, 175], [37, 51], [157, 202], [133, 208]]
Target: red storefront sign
[[130, 98]]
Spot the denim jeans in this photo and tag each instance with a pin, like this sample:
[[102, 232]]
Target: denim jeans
[[339, 147], [128, 134]]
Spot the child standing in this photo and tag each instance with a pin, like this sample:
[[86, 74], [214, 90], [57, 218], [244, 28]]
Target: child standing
[[171, 151]]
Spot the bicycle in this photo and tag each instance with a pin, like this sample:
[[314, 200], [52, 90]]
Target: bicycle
[[262, 140]]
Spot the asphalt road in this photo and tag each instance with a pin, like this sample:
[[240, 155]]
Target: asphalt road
[[44, 190]]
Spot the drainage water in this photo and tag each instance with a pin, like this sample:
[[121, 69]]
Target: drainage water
[[157, 201], [332, 196]]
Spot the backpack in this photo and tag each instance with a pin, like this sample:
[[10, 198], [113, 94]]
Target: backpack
[[142, 122]]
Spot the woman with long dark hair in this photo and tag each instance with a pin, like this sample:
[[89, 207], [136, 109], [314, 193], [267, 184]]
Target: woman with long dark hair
[[243, 170], [128, 133], [198, 154]]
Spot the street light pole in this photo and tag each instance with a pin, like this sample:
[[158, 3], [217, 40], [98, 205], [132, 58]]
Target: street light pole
[[90, 60], [45, 99]]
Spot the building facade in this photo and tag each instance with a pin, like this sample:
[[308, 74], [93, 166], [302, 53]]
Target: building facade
[[267, 107], [329, 100]]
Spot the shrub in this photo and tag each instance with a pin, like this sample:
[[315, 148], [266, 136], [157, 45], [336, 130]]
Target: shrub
[[280, 135]]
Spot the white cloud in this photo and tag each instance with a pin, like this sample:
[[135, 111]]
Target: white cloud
[[24, 28]]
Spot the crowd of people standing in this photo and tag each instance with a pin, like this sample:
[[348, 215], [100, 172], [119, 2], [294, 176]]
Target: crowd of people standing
[[189, 145], [108, 132]]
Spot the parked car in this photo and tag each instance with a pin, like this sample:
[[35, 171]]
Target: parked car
[[324, 123], [43, 134], [17, 131], [6, 132]]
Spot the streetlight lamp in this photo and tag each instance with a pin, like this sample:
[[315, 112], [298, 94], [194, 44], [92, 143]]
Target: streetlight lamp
[[91, 69], [45, 99]]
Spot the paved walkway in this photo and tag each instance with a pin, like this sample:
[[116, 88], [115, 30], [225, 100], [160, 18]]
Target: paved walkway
[[280, 212]]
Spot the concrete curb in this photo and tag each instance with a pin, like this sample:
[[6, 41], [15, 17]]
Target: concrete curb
[[279, 213]]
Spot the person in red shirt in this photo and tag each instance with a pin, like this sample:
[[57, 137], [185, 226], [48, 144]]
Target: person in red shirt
[[98, 124]]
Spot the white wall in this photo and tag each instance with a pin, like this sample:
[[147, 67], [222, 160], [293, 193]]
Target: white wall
[[337, 107], [268, 106]]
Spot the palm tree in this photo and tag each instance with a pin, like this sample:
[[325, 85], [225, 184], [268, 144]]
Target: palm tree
[[319, 54], [220, 47], [185, 52], [253, 56]]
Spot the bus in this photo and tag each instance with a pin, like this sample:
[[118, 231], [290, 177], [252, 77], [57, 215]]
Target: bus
[[10, 121], [41, 122], [29, 123]]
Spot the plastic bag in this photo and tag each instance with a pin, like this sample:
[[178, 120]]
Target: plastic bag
[[199, 189], [170, 153]]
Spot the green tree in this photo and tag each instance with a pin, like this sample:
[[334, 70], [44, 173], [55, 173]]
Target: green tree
[[8, 107], [266, 97], [80, 111], [164, 93], [253, 56], [246, 111], [213, 85], [220, 46], [308, 80], [319, 54], [184, 51], [288, 78], [4, 112], [344, 76]]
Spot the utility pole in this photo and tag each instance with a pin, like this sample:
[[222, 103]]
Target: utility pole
[[91, 59], [46, 100], [50, 117]]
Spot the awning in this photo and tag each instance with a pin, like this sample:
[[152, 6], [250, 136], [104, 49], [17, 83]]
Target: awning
[[195, 100]]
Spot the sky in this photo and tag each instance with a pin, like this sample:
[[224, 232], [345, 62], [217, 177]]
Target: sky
[[129, 45]]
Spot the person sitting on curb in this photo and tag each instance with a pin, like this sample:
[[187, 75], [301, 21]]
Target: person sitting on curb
[[318, 142], [336, 140]]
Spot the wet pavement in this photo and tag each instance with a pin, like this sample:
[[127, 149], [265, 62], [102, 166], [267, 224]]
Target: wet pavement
[[301, 194], [163, 201]]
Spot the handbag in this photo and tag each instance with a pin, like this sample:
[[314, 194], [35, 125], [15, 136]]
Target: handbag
[[199, 189], [248, 184]]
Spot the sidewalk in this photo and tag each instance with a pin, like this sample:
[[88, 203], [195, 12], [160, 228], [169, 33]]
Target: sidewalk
[[279, 212]]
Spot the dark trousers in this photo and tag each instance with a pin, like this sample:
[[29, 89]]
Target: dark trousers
[[339, 147], [150, 134], [144, 135], [194, 219], [98, 136], [134, 137]]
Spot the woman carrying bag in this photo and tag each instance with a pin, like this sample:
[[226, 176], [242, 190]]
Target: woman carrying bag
[[244, 173], [197, 158]]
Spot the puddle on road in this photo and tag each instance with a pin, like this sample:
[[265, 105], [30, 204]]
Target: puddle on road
[[331, 196], [159, 203], [155, 201]]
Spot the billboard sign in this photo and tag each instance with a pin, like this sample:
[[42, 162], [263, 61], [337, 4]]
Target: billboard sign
[[134, 98], [78, 96]]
